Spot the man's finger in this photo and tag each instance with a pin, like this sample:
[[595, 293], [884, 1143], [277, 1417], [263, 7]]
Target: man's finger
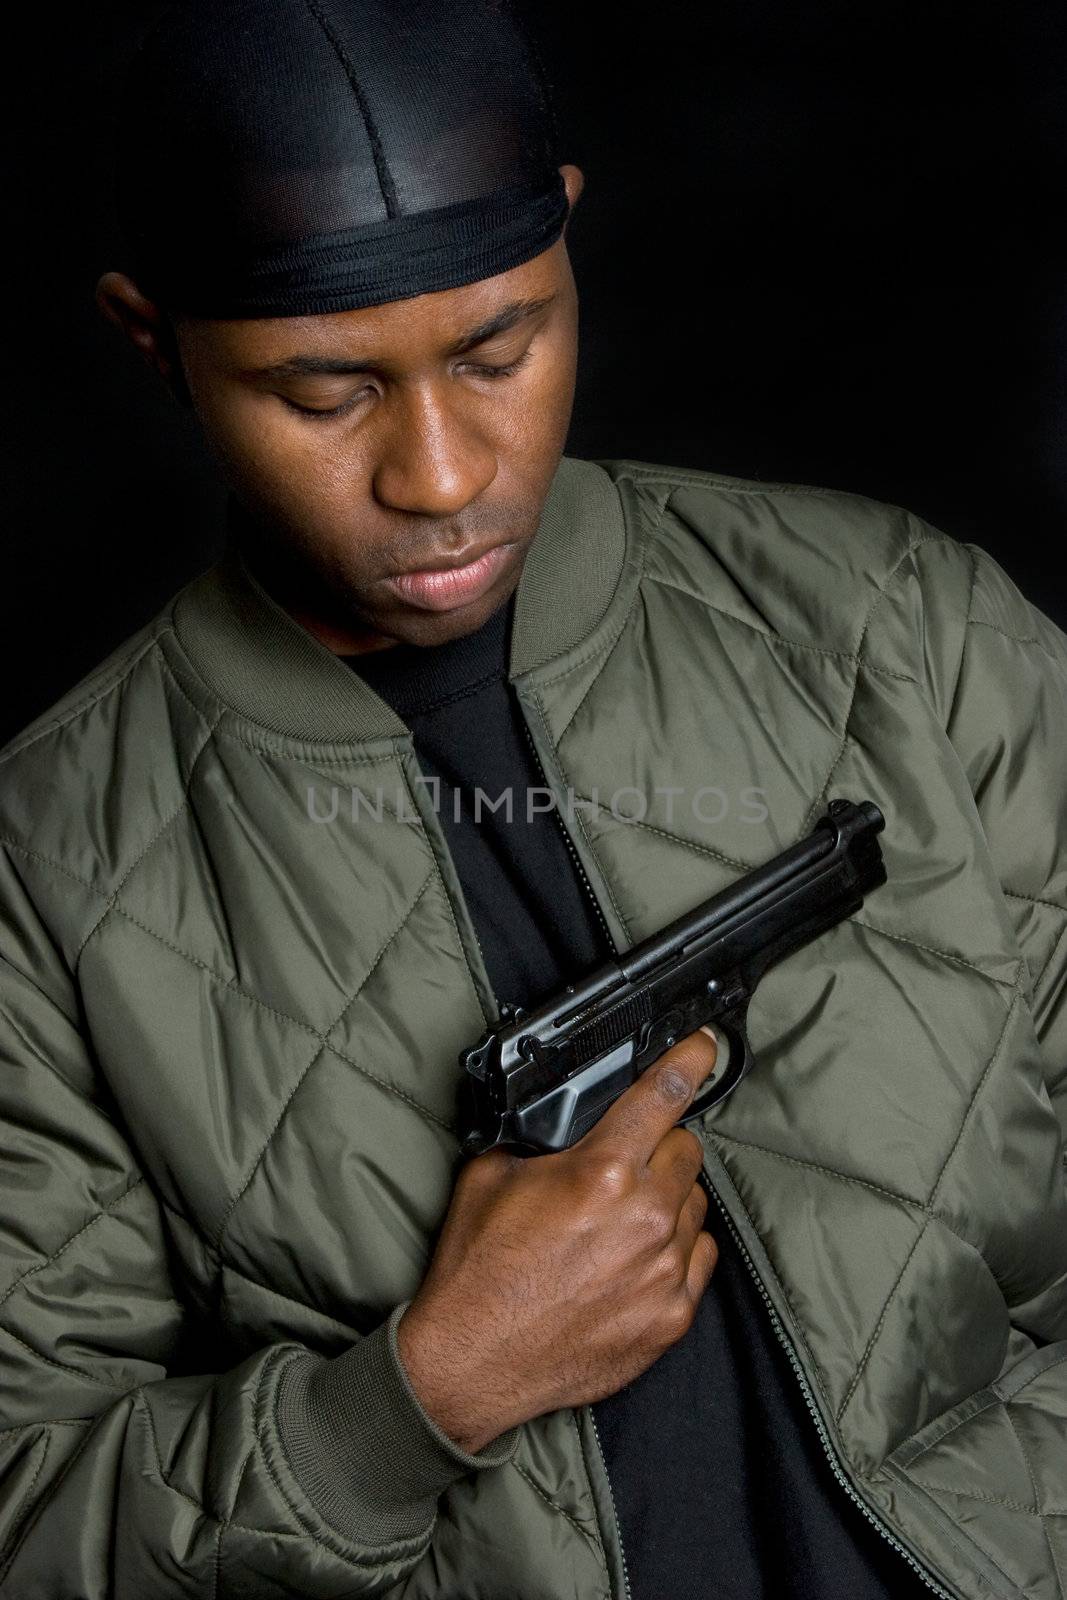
[[701, 1265], [649, 1108], [676, 1162], [690, 1220]]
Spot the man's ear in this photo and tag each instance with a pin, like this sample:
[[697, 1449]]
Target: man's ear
[[574, 183], [147, 327]]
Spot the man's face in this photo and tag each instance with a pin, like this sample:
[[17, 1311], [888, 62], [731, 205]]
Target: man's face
[[375, 443]]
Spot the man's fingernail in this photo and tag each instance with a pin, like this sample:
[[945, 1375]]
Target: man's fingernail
[[722, 1048]]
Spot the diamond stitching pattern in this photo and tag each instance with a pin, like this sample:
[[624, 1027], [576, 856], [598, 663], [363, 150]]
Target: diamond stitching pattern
[[1038, 1508], [317, 1056], [1036, 1511]]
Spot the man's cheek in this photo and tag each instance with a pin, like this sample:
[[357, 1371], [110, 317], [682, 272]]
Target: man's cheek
[[530, 420], [306, 461], [249, 435]]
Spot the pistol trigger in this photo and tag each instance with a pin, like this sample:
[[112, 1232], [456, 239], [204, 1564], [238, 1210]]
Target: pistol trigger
[[731, 1064]]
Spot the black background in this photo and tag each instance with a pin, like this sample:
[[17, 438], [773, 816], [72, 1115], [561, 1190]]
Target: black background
[[818, 244]]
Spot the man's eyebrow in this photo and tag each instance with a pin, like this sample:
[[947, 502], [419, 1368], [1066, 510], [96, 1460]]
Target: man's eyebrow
[[507, 317]]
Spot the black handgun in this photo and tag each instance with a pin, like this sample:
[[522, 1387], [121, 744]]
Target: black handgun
[[540, 1079]]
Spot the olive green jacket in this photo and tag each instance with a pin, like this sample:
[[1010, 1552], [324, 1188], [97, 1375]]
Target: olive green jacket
[[236, 971]]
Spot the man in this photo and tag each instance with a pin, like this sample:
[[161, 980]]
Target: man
[[261, 1332]]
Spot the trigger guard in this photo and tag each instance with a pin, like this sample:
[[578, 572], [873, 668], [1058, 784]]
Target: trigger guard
[[735, 1063]]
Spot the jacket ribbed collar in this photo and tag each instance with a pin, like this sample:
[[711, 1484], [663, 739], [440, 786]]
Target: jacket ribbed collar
[[267, 667]]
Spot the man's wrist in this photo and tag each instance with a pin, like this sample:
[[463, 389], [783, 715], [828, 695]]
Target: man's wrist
[[367, 1454], [446, 1393]]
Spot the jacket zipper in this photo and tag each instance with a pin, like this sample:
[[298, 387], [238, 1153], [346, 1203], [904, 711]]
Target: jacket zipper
[[614, 1507], [613, 948], [569, 842], [805, 1388], [783, 1337]]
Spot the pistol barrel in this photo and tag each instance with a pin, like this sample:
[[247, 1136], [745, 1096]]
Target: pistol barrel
[[836, 860]]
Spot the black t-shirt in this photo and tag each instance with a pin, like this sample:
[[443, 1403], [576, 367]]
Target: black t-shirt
[[722, 1489]]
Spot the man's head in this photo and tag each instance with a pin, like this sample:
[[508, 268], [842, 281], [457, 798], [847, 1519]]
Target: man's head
[[345, 229]]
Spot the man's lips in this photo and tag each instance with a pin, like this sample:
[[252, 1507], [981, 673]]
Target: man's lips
[[443, 588]]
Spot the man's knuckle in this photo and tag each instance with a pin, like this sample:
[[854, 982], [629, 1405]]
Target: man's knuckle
[[686, 1162], [608, 1177], [680, 1265], [472, 1177], [656, 1224], [677, 1319], [480, 1176]]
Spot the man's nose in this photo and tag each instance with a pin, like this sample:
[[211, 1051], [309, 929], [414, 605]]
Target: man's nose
[[433, 462]]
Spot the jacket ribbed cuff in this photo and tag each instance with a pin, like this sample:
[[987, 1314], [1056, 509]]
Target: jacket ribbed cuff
[[370, 1459]]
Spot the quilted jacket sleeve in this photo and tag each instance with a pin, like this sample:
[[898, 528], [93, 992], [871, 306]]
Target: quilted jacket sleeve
[[127, 1470], [1006, 714]]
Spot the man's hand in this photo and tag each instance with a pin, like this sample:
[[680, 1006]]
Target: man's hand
[[558, 1278]]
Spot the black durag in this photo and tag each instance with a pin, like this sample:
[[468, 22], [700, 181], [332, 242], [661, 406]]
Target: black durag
[[292, 157]]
